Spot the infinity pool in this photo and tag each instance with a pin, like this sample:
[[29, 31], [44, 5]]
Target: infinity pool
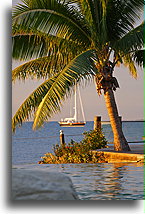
[[103, 181]]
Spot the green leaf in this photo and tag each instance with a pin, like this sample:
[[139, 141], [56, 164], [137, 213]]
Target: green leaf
[[129, 63], [75, 70], [139, 57], [53, 18], [131, 41], [46, 100], [36, 45], [58, 54], [30, 105]]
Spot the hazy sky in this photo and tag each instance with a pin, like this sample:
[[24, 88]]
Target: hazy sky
[[129, 97]]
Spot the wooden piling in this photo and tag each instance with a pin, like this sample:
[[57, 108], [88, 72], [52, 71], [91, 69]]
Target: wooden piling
[[120, 119], [62, 141], [97, 122]]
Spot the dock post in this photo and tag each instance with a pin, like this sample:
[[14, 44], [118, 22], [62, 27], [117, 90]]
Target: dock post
[[62, 141], [120, 119], [97, 122]]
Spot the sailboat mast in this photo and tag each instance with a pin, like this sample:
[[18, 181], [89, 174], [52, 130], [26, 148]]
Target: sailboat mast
[[81, 104], [73, 122], [75, 107]]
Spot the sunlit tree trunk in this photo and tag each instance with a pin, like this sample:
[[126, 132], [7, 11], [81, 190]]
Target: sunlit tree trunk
[[120, 142]]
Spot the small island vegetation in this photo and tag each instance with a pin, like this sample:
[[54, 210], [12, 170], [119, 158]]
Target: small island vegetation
[[78, 152]]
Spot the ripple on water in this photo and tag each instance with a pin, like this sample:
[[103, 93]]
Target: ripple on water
[[91, 181], [102, 181]]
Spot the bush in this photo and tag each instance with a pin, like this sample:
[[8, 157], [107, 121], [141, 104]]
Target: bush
[[95, 139], [76, 152]]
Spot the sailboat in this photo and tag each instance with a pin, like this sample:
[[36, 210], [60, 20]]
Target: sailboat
[[73, 121]]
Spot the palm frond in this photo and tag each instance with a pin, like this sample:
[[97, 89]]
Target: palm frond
[[30, 105], [44, 68], [51, 17], [131, 41], [57, 54], [129, 63], [47, 98], [75, 70], [28, 45], [86, 8], [121, 17], [94, 14], [139, 57]]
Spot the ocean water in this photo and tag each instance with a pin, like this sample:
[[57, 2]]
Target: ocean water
[[103, 181]]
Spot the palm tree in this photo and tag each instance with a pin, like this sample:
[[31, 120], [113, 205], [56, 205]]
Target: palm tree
[[67, 41]]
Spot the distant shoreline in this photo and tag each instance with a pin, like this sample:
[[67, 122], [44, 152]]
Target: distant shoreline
[[125, 121], [103, 121]]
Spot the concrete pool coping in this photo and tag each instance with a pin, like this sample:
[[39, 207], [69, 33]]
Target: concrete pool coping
[[135, 155]]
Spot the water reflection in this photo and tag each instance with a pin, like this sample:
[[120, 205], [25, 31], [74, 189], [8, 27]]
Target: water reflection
[[105, 181], [112, 185], [119, 181]]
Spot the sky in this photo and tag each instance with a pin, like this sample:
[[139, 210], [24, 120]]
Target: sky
[[129, 96]]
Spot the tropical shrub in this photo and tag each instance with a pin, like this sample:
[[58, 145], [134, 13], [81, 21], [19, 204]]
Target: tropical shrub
[[80, 152]]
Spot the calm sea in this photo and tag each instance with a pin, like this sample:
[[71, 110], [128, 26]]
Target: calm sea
[[92, 181]]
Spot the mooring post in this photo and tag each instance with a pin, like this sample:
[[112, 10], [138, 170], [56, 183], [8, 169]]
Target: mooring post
[[62, 141], [97, 122], [120, 120]]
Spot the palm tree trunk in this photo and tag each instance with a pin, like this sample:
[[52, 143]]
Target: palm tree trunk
[[120, 142]]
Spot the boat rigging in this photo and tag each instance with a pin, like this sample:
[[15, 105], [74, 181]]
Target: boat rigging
[[73, 121]]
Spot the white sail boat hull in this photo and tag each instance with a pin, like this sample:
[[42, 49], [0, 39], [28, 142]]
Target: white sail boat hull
[[73, 121], [72, 124]]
